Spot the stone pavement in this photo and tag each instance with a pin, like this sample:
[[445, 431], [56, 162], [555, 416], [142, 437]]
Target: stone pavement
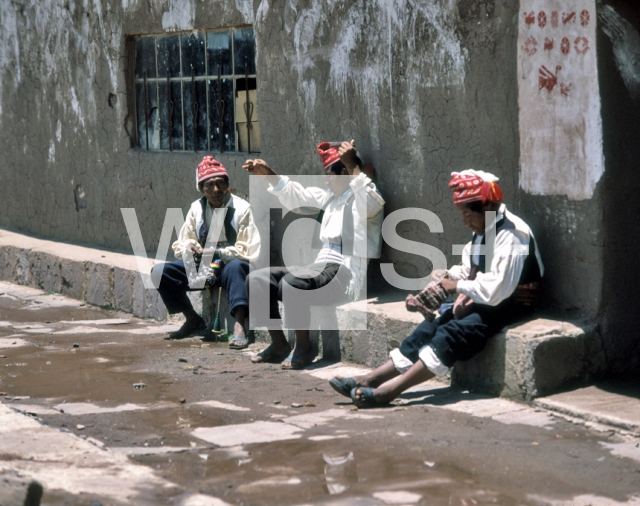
[[71, 420]]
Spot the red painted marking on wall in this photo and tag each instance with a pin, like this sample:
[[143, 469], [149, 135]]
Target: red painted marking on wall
[[546, 78], [565, 88], [530, 17], [548, 44], [530, 46], [565, 46], [568, 17], [554, 19], [542, 19], [584, 17], [581, 44]]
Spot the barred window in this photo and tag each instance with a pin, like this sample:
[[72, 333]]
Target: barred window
[[196, 91]]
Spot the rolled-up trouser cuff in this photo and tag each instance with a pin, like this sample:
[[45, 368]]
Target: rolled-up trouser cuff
[[428, 357], [400, 362], [433, 363]]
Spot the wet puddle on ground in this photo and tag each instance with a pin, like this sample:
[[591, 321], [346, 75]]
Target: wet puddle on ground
[[298, 472]]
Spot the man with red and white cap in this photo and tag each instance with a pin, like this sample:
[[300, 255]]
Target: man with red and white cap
[[493, 286], [236, 246], [339, 271]]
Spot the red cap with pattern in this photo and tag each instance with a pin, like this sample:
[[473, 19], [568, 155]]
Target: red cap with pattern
[[209, 167], [328, 151], [473, 186]]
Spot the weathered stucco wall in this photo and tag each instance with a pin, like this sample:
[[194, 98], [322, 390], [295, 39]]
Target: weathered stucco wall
[[425, 87]]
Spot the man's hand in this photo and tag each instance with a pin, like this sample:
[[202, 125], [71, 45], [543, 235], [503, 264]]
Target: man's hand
[[261, 168], [196, 249], [347, 152], [462, 306], [449, 285], [258, 167]]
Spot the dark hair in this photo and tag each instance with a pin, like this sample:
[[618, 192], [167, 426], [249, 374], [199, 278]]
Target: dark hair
[[478, 206], [338, 166], [475, 207], [201, 183]]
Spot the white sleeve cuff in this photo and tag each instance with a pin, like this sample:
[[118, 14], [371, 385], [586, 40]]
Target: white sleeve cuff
[[280, 186], [359, 182], [463, 286]]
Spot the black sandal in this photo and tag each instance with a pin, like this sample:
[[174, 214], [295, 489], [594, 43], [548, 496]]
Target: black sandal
[[343, 385]]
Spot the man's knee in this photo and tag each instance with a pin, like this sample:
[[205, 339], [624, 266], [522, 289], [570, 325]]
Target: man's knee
[[261, 277], [237, 266]]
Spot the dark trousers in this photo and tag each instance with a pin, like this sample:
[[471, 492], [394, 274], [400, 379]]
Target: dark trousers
[[174, 285], [270, 282], [454, 340]]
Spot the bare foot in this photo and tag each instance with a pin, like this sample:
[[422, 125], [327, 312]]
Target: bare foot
[[273, 354]]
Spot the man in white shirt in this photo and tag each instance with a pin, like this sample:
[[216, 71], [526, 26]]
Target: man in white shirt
[[340, 268], [493, 288], [237, 245]]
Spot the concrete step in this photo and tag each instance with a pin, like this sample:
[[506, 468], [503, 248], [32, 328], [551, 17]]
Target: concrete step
[[534, 359]]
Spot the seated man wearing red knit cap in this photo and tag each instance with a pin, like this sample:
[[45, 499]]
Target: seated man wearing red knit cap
[[500, 268], [340, 269], [228, 256]]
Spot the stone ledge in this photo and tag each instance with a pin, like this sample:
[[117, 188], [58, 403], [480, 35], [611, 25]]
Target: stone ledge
[[534, 359], [100, 277]]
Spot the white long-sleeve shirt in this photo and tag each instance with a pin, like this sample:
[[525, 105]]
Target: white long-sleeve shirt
[[502, 277], [247, 245], [367, 206]]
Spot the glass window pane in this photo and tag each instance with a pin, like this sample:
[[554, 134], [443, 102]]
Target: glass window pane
[[247, 125], [145, 57], [245, 51], [219, 53], [193, 54], [147, 108], [223, 108], [195, 109], [169, 56]]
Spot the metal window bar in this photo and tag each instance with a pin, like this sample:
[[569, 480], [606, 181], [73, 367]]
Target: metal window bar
[[169, 103], [220, 110], [194, 111], [248, 105]]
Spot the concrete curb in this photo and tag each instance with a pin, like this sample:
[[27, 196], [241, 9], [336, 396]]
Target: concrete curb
[[99, 277], [534, 359]]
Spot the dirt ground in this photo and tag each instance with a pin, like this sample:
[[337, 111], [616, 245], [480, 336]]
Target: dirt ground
[[194, 423]]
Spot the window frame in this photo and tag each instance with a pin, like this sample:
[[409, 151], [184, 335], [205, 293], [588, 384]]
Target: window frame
[[210, 79]]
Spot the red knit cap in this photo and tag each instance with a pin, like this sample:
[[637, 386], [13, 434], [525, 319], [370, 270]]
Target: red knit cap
[[473, 186], [209, 167], [328, 153]]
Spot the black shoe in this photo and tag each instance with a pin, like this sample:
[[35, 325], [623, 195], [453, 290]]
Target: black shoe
[[189, 328]]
